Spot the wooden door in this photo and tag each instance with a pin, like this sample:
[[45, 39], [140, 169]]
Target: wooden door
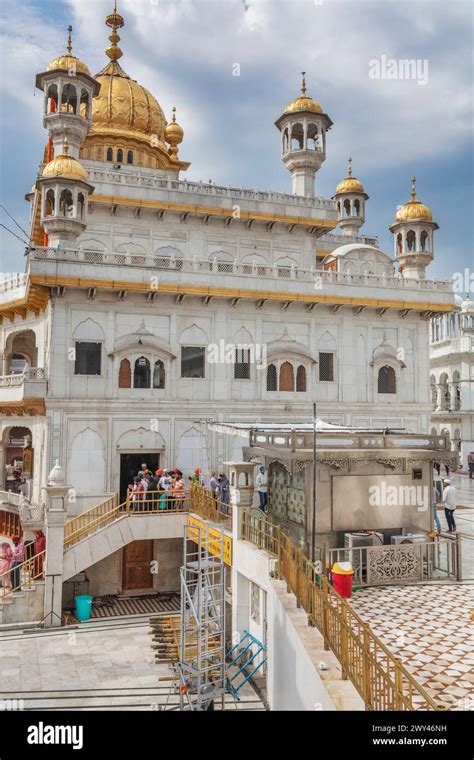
[[136, 569]]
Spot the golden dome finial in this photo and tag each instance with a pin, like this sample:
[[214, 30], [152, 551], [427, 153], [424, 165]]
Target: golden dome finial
[[114, 21], [349, 171], [69, 40], [66, 146], [174, 134], [413, 188], [303, 83]]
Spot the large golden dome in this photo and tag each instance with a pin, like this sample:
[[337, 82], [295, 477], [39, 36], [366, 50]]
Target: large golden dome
[[350, 184], [125, 108], [128, 123], [414, 209], [303, 102]]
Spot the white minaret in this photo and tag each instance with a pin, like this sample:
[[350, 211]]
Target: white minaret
[[68, 89], [413, 236], [351, 197], [303, 127]]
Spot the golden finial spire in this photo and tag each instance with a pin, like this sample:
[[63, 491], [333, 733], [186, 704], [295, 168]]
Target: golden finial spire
[[69, 40], [66, 146], [350, 167], [303, 83], [413, 188], [114, 21], [174, 115]]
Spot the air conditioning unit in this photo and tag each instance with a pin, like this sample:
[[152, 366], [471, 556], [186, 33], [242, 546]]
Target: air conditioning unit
[[410, 538], [355, 540]]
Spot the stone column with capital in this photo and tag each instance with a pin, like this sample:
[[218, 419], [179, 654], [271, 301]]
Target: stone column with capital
[[439, 397], [55, 496]]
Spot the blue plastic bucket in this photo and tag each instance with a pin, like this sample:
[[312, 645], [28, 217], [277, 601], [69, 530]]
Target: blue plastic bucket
[[83, 607]]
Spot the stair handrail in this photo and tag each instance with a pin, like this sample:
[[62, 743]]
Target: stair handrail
[[30, 570]]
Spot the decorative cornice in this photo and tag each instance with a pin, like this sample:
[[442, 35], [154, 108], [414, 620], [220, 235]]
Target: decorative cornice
[[28, 407], [392, 464]]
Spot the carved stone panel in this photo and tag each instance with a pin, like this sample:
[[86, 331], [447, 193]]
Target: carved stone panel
[[393, 564]]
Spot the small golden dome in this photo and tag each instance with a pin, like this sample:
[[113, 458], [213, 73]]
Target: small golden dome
[[303, 102], [174, 132], [68, 61], [413, 209], [65, 166], [350, 184]]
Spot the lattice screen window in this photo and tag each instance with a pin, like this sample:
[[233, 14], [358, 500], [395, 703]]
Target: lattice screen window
[[271, 378], [242, 364], [326, 366], [387, 381], [301, 379]]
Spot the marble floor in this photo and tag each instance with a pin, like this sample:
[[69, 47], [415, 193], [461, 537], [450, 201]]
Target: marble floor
[[97, 665], [431, 629]]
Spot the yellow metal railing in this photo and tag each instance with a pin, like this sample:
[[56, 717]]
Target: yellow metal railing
[[88, 522], [205, 504], [380, 678], [22, 575]]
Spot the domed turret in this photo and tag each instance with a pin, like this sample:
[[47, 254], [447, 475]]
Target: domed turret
[[303, 126], [350, 196], [64, 197], [413, 236], [68, 92]]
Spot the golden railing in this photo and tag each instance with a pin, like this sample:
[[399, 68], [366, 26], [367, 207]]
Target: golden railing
[[88, 522], [22, 575], [380, 678], [205, 504]]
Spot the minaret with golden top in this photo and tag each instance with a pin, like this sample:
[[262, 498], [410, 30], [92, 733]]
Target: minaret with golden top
[[413, 236], [303, 127], [68, 93], [350, 197]]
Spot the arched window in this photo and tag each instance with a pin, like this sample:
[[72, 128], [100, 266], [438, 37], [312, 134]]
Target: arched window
[[110, 154], [49, 208], [356, 209], [271, 377], [347, 207], [66, 204], [80, 205], [141, 373], [84, 104], [159, 374], [411, 240], [69, 99], [387, 381], [301, 378], [130, 157], [287, 377], [399, 243], [125, 374], [423, 240], [120, 156]]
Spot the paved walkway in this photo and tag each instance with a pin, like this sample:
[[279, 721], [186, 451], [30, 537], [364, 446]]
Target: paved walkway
[[464, 516], [430, 628], [98, 665]]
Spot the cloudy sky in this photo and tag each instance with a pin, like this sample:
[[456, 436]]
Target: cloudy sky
[[185, 52]]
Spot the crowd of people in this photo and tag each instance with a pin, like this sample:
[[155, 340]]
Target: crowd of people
[[165, 489]]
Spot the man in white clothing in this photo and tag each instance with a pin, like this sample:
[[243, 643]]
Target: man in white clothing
[[449, 499]]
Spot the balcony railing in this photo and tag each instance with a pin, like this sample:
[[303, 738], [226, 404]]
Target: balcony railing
[[13, 281], [250, 270], [29, 374]]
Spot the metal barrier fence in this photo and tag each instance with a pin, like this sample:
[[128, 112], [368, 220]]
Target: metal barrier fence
[[380, 678], [436, 560]]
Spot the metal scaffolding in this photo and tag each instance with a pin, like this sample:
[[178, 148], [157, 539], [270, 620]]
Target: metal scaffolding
[[201, 667]]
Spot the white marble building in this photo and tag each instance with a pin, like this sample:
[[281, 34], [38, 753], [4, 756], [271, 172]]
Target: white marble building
[[452, 376], [147, 300]]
